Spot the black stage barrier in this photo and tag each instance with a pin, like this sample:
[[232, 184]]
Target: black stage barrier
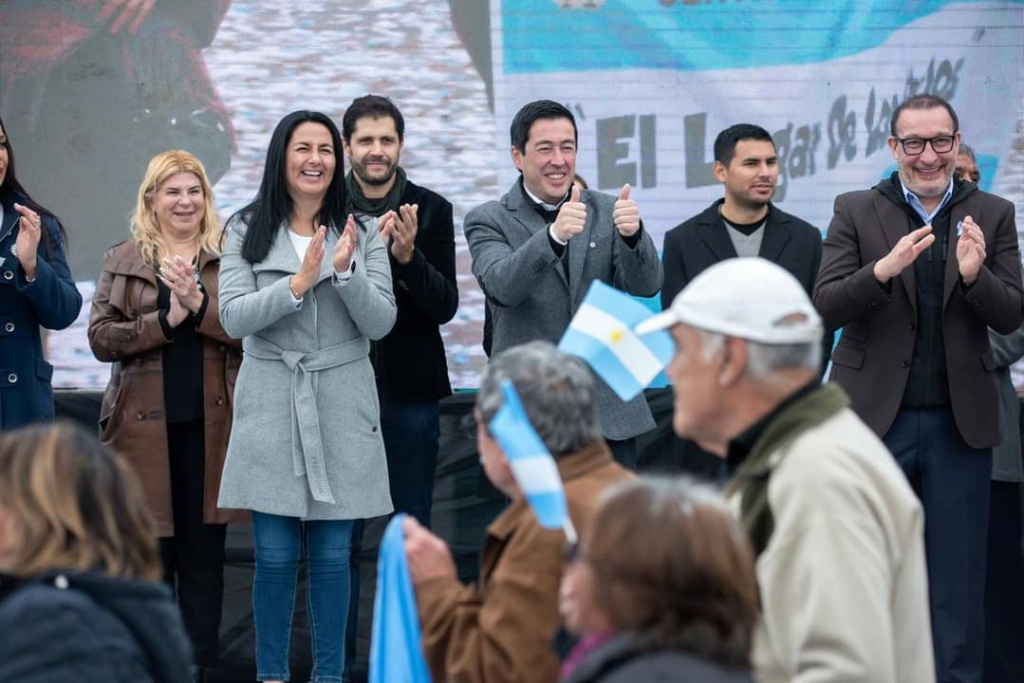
[[464, 504]]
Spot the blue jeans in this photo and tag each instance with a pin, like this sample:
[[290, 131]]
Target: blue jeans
[[280, 543]]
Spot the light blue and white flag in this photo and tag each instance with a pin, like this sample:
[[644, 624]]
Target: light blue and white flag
[[396, 655], [532, 465], [601, 333]]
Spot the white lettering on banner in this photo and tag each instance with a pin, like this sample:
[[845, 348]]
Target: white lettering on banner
[[654, 127]]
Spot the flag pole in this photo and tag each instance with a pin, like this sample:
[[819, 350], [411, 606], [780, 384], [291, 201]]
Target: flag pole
[[569, 530]]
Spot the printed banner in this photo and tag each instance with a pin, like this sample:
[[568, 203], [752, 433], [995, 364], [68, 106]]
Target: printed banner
[[652, 82]]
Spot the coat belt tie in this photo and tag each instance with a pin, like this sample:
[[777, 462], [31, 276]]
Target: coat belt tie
[[307, 441]]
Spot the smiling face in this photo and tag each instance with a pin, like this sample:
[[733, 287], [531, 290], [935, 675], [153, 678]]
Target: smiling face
[[311, 160], [927, 174], [180, 205], [751, 175], [374, 151], [548, 162]]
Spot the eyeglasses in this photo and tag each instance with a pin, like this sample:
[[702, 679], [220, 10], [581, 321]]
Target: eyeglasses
[[914, 146]]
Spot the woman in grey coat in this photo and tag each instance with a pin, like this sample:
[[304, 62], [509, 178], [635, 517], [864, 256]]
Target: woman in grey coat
[[306, 288]]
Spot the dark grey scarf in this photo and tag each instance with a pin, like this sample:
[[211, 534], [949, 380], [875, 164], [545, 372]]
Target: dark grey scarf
[[359, 203]]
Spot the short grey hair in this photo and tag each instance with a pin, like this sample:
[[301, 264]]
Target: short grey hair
[[557, 391], [763, 360]]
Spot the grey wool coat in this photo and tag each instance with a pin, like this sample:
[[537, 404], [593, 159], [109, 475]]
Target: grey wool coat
[[531, 297], [306, 438]]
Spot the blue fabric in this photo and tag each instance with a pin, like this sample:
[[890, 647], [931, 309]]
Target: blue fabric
[[512, 430], [280, 542], [395, 652], [600, 353]]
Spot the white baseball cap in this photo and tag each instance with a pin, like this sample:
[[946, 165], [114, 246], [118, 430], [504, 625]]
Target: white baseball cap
[[749, 298]]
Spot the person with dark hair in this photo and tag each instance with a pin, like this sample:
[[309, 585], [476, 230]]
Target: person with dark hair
[[537, 250], [967, 165], [306, 288], [915, 271], [167, 407], [502, 629], [79, 566], [661, 587], [36, 291], [743, 223], [409, 362], [837, 532]]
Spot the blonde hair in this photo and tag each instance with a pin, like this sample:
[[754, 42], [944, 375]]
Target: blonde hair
[[73, 504], [144, 226]]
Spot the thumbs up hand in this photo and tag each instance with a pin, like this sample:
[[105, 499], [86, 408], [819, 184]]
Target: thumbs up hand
[[572, 217], [626, 214]]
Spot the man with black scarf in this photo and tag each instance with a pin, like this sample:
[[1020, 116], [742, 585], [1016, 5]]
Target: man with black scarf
[[410, 363]]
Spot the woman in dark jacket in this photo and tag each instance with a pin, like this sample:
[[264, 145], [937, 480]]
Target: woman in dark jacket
[[36, 290], [662, 589], [79, 597], [167, 408]]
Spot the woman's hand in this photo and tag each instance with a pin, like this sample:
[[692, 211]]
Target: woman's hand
[[345, 247], [27, 244], [178, 312], [309, 271], [179, 277]]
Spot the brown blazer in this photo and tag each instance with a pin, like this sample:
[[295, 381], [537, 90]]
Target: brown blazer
[[124, 329], [872, 359], [502, 629]]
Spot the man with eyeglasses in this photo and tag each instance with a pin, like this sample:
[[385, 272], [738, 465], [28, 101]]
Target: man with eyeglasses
[[915, 270], [536, 251]]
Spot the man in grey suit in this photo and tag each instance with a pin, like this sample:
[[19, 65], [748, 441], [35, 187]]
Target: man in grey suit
[[536, 251]]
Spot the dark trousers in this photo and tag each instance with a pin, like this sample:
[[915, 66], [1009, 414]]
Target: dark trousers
[[952, 481], [411, 431], [1004, 587], [193, 559]]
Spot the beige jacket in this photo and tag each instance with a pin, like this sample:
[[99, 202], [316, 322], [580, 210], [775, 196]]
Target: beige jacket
[[844, 589]]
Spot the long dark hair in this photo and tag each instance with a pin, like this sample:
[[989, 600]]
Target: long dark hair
[[12, 191], [273, 204]]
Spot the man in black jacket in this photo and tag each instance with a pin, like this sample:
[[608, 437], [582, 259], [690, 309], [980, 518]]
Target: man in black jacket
[[412, 373], [410, 363], [743, 223]]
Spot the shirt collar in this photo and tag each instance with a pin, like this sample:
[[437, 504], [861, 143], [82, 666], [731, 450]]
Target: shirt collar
[[542, 204], [915, 202]]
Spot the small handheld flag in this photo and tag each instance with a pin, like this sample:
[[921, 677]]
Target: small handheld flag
[[396, 655], [601, 333], [532, 465]]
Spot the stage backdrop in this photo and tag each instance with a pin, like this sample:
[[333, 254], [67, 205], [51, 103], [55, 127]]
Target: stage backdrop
[[651, 82]]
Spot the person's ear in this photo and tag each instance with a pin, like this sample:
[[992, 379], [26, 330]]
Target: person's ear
[[733, 361]]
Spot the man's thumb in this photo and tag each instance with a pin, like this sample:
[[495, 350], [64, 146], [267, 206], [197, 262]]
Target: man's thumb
[[575, 195], [624, 194]]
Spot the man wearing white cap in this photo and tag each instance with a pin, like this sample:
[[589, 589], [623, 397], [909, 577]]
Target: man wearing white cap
[[836, 527]]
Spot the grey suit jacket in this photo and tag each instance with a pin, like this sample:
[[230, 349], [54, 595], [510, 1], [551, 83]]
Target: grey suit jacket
[[530, 295], [1006, 457]]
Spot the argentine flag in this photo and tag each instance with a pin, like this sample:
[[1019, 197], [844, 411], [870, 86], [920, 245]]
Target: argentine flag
[[532, 465], [396, 655], [601, 333]]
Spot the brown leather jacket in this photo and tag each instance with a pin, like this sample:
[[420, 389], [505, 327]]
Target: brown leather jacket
[[502, 630], [124, 329]]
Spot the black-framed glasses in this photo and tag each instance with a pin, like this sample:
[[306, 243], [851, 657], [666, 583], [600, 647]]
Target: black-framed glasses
[[940, 143]]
